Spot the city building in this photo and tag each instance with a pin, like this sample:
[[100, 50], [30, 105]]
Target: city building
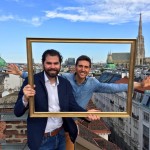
[[110, 63], [12, 83], [70, 61], [2, 75], [123, 58], [128, 133]]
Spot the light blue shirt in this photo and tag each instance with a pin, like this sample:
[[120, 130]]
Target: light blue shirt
[[83, 92]]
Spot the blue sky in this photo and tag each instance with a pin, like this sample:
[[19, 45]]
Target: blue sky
[[70, 19]]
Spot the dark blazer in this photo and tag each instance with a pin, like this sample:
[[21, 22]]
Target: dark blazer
[[36, 126]]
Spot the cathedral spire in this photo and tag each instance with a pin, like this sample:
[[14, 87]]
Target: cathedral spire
[[140, 45], [140, 26]]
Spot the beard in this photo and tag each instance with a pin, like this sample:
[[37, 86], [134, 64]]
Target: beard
[[52, 73]]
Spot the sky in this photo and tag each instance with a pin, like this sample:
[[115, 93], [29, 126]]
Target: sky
[[101, 19]]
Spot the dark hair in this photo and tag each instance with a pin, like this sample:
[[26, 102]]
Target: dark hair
[[51, 52], [83, 57]]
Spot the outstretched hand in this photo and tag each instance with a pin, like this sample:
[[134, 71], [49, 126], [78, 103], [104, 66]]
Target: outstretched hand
[[92, 117], [13, 69], [146, 82]]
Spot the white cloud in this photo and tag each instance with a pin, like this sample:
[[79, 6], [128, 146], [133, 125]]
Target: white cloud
[[101, 11], [107, 11], [36, 21], [6, 18]]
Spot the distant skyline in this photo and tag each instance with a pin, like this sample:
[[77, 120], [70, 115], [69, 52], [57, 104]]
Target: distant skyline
[[70, 19]]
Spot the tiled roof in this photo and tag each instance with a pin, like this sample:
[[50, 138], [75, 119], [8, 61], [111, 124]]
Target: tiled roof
[[123, 80], [91, 105], [95, 139], [97, 126], [93, 128]]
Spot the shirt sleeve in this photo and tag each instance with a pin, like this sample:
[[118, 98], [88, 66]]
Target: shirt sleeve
[[19, 107], [109, 87], [64, 75], [24, 75], [24, 102]]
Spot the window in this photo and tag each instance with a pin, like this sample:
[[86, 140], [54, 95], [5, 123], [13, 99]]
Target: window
[[135, 136], [126, 128], [134, 95], [145, 138], [130, 131], [145, 100], [135, 124], [145, 116]]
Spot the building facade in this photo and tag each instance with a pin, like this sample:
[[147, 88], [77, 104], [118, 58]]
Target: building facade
[[128, 133], [123, 58]]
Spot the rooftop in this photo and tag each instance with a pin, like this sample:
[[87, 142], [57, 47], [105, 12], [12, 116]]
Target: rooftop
[[93, 138]]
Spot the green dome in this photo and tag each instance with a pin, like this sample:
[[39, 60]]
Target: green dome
[[2, 62], [111, 66]]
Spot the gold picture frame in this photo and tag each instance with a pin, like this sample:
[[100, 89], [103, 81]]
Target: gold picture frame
[[128, 112]]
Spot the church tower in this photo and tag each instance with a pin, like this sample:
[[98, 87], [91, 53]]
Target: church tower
[[109, 58], [140, 45], [110, 64]]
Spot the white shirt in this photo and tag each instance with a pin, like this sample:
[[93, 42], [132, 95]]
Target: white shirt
[[53, 105]]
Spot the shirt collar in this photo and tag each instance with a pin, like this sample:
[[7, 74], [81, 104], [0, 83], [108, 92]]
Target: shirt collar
[[74, 77], [47, 80]]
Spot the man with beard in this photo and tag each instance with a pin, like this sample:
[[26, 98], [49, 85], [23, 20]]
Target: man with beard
[[52, 94]]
